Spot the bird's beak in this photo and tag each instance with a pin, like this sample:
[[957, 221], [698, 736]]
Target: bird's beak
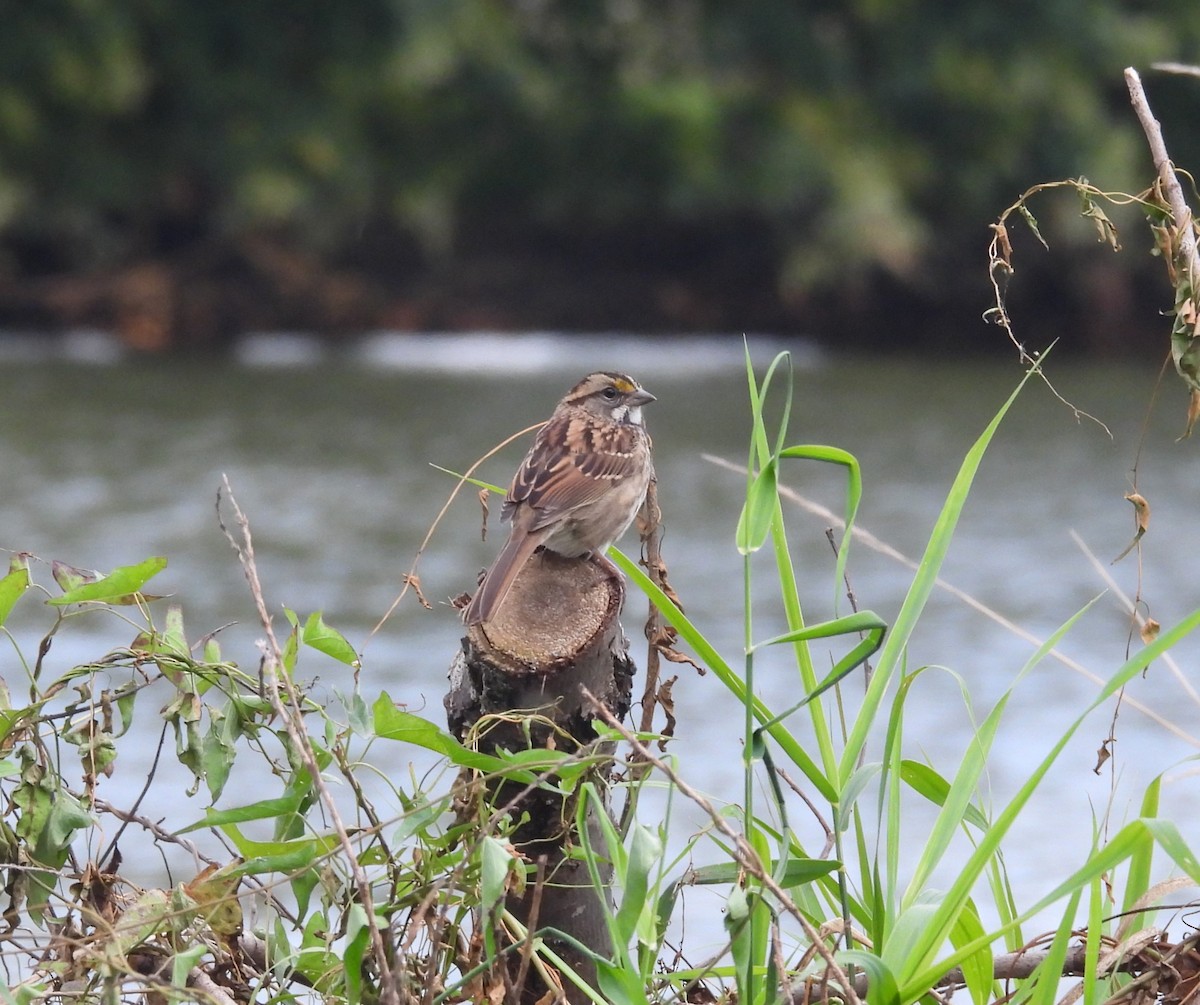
[[641, 397]]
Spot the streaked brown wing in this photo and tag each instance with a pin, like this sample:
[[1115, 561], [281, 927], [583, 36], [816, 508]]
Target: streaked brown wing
[[553, 480]]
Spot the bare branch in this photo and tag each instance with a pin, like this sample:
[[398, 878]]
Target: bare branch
[[1166, 173]]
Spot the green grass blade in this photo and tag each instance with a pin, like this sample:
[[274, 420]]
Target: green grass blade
[[835, 455], [922, 586], [755, 521], [708, 655], [979, 966], [1118, 849], [1048, 978], [1137, 880]]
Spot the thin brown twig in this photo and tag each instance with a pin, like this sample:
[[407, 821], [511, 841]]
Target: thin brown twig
[[410, 577], [814, 810], [1166, 173], [159, 833], [127, 820], [298, 736], [654, 621]]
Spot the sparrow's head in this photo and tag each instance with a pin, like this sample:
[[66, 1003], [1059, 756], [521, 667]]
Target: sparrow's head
[[616, 397]]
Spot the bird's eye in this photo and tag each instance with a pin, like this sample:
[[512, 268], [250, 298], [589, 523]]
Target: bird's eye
[[610, 393]]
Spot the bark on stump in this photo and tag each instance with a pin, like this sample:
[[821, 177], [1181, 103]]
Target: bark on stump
[[556, 633]]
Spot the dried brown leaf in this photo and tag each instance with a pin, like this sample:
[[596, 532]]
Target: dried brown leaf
[[668, 652], [1002, 245], [1141, 510], [413, 580], [215, 892], [1150, 630], [666, 699], [483, 508], [1141, 515]]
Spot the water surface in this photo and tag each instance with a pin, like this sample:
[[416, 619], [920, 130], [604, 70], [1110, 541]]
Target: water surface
[[105, 461]]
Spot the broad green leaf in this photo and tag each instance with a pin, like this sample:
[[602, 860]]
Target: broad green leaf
[[66, 817], [121, 586], [212, 651], [33, 797], [755, 520], [358, 714], [303, 850], [173, 638], [302, 884], [881, 979], [644, 854], [219, 749], [124, 700], [924, 780], [978, 967], [15, 583], [11, 718], [358, 935], [143, 919], [329, 641], [70, 578], [496, 862], [183, 962], [620, 985], [290, 652], [737, 925], [266, 809], [393, 723]]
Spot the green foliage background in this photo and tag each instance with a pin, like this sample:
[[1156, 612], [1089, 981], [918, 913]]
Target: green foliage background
[[837, 141]]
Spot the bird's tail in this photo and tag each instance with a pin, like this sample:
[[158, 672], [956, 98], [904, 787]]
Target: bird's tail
[[501, 576]]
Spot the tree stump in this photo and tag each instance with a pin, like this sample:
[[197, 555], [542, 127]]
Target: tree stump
[[557, 633]]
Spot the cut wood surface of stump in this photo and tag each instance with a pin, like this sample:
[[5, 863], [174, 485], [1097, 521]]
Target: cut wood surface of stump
[[556, 635]]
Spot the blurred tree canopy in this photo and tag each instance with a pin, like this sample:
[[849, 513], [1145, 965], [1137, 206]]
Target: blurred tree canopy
[[671, 164]]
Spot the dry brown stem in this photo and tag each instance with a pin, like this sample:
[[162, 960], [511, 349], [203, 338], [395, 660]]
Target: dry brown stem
[[290, 716], [1167, 177]]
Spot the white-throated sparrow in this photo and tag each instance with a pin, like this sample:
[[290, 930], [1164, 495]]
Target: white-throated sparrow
[[580, 485]]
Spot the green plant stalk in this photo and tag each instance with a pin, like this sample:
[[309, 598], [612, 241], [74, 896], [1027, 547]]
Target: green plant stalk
[[794, 614]]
